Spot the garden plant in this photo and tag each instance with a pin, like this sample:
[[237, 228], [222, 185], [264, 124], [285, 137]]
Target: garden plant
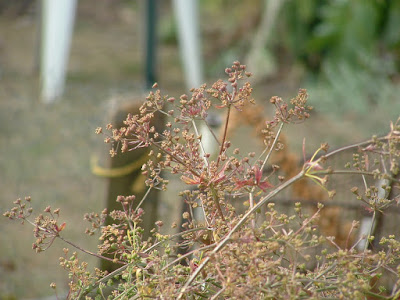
[[234, 242]]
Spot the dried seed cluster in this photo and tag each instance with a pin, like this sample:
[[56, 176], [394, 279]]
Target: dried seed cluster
[[250, 252]]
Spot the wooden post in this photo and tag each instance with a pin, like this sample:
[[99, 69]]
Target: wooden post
[[125, 177]]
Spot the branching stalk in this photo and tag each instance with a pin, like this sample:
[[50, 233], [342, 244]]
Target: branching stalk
[[177, 159], [187, 255], [272, 146], [216, 201], [251, 203], [212, 132], [341, 149], [203, 152], [222, 147], [123, 268], [226, 239], [89, 252]]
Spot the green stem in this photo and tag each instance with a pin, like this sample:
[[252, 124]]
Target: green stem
[[121, 269], [251, 203], [186, 255], [377, 296], [321, 274], [216, 201], [89, 252]]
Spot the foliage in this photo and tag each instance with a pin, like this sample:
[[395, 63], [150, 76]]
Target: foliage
[[229, 251], [342, 30], [351, 49]]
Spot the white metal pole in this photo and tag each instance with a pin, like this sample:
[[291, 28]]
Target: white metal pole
[[186, 13], [57, 27]]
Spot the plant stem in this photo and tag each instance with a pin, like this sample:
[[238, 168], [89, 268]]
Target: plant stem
[[212, 132], [377, 296], [203, 152], [216, 201], [218, 293], [89, 252], [251, 203], [306, 222], [186, 255], [122, 268], [321, 274], [226, 239], [354, 172], [143, 198], [353, 146], [273, 145], [177, 159], [222, 147]]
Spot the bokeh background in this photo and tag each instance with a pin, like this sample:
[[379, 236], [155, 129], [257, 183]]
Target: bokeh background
[[345, 53]]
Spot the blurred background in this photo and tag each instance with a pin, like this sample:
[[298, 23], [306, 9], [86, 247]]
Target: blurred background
[[345, 53]]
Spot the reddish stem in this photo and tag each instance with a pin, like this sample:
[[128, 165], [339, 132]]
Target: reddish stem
[[224, 136], [91, 253]]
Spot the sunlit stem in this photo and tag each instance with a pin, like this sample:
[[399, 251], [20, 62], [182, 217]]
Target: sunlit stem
[[203, 152], [205, 214], [144, 198], [222, 146], [212, 132], [89, 252], [242, 221], [216, 201], [272, 146], [314, 178], [155, 245], [371, 229], [175, 158], [251, 202], [315, 154], [317, 181], [188, 254]]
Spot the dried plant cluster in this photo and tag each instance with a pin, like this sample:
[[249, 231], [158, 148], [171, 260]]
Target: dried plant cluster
[[222, 252]]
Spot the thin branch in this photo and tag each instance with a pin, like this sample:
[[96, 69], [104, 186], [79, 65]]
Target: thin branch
[[321, 274], [121, 269], [91, 253], [216, 201], [224, 241], [212, 132], [353, 172], [273, 145], [218, 293], [186, 255], [354, 146], [222, 146], [251, 203], [177, 159], [143, 198], [203, 152]]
